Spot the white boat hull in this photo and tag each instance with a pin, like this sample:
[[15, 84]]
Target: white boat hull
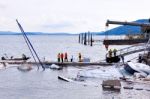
[[137, 67]]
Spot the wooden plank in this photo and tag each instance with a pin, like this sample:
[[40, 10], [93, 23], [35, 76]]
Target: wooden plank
[[64, 79]]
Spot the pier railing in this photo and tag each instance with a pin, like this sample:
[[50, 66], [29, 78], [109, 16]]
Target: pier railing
[[132, 49]]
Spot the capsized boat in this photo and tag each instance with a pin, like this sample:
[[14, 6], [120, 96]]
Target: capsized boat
[[137, 67]]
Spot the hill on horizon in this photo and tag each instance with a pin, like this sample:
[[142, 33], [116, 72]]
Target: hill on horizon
[[33, 33]]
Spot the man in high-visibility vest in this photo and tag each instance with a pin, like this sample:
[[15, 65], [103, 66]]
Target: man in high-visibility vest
[[80, 57], [110, 53]]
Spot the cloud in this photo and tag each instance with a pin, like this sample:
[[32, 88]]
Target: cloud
[[69, 15], [2, 6]]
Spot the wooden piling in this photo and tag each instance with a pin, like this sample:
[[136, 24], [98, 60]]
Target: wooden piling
[[91, 40], [79, 38], [85, 39], [88, 38], [82, 38]]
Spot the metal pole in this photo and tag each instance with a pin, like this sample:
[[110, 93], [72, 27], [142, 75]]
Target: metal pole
[[29, 43]]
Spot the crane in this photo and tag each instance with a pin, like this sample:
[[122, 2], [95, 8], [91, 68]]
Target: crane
[[145, 27], [127, 23], [145, 32]]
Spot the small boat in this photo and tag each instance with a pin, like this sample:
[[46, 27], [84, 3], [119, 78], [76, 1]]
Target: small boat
[[137, 67], [15, 59]]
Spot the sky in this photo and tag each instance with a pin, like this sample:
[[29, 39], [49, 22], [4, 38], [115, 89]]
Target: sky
[[71, 16]]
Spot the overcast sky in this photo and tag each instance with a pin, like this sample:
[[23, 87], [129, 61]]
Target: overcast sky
[[69, 15]]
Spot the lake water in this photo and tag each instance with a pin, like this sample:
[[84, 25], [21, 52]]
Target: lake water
[[40, 84]]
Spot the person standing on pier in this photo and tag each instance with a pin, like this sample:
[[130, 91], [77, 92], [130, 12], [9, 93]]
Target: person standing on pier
[[58, 57], [66, 57], [80, 57], [62, 57], [71, 58]]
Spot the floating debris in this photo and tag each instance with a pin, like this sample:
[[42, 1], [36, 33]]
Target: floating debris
[[56, 67], [111, 84], [147, 89], [128, 87], [138, 88], [64, 79]]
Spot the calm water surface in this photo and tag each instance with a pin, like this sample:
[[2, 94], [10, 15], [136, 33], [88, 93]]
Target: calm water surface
[[34, 84]]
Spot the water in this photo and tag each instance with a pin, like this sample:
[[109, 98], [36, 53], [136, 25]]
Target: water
[[49, 47], [35, 84]]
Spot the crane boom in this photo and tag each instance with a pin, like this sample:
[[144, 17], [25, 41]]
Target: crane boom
[[127, 23]]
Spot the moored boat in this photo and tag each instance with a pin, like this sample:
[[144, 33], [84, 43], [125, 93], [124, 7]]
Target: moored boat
[[15, 59], [137, 67]]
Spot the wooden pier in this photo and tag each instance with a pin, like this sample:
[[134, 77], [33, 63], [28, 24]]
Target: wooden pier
[[62, 64]]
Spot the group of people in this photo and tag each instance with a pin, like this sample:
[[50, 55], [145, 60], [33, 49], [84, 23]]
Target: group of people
[[112, 53], [112, 56], [63, 57]]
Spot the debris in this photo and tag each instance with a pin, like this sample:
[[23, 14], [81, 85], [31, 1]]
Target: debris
[[112, 84], [63, 78], [138, 88], [56, 67], [147, 89], [128, 87]]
